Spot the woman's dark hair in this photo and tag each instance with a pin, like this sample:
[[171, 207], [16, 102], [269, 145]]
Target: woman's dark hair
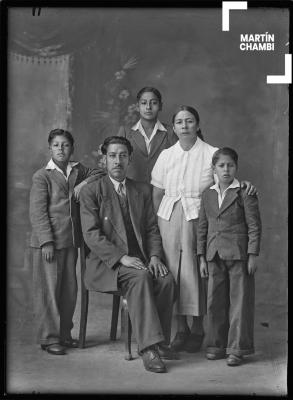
[[60, 132], [148, 89], [116, 140], [225, 151], [193, 112]]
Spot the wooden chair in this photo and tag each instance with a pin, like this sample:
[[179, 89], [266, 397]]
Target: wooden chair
[[125, 320]]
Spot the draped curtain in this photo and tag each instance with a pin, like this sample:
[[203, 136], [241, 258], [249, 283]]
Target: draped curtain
[[55, 32]]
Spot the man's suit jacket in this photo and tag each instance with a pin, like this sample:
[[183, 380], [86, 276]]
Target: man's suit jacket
[[233, 230], [142, 163], [54, 213], [104, 230]]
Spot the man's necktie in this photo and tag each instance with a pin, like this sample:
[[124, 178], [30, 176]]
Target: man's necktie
[[121, 192]]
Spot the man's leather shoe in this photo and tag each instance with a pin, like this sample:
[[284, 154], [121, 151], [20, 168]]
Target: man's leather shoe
[[166, 353], [213, 356], [55, 349], [179, 341], [152, 362], [234, 361], [69, 343]]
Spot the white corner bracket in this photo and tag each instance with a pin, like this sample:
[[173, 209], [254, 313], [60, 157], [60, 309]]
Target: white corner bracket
[[287, 78], [226, 7]]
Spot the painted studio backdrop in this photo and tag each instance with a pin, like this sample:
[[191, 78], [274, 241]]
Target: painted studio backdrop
[[80, 69]]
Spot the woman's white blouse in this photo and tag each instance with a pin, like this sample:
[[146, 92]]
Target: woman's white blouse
[[183, 175]]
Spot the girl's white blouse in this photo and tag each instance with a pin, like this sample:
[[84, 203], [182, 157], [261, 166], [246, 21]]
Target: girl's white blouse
[[183, 175]]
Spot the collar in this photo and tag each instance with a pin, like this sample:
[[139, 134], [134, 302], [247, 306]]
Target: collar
[[52, 165], [193, 148], [117, 183], [235, 184], [158, 126]]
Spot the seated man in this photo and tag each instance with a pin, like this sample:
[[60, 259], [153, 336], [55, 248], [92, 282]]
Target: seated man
[[120, 229]]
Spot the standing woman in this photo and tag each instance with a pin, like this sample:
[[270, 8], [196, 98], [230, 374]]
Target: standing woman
[[148, 136], [180, 175]]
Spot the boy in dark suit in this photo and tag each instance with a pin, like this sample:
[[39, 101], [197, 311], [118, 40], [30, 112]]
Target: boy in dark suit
[[228, 243], [55, 239], [120, 229]]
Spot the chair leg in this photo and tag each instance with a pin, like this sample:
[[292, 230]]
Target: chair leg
[[83, 316], [115, 315], [127, 330], [84, 300]]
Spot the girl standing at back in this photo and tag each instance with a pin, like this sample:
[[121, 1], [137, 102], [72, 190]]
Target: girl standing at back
[[148, 136]]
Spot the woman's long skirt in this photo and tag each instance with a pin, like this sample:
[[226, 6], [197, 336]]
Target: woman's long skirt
[[179, 243]]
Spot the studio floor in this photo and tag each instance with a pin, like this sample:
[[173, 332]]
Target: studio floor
[[100, 368]]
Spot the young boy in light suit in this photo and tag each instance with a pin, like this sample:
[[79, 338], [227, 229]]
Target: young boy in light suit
[[55, 238], [228, 243]]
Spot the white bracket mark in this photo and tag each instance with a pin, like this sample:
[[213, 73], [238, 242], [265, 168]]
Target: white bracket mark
[[226, 7], [287, 78]]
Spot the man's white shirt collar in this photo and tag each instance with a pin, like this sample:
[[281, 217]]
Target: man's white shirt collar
[[117, 183]]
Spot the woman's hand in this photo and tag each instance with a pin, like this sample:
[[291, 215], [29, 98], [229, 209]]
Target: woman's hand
[[250, 189]]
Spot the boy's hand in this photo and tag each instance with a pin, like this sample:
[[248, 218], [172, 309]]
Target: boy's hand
[[203, 266], [251, 265], [76, 190], [48, 252], [250, 189]]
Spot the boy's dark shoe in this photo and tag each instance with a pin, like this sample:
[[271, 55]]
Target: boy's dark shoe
[[69, 343], [166, 353], [234, 361], [56, 349], [217, 356], [152, 361], [193, 343]]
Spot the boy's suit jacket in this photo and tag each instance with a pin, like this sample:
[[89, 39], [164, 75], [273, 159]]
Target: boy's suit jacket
[[54, 213], [233, 230], [142, 163], [104, 230]]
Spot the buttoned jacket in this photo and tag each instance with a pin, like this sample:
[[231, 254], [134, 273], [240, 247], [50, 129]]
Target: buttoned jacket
[[233, 230], [142, 163], [54, 213], [104, 229]]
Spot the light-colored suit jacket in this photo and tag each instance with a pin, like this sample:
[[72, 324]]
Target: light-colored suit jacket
[[142, 163], [54, 213], [233, 230], [104, 230]]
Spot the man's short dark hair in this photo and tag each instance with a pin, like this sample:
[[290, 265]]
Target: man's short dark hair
[[60, 132], [116, 140]]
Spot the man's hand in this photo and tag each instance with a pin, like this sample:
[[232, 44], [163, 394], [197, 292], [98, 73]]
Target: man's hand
[[251, 265], [203, 266], [77, 189], [48, 252], [132, 262], [250, 189], [157, 268]]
